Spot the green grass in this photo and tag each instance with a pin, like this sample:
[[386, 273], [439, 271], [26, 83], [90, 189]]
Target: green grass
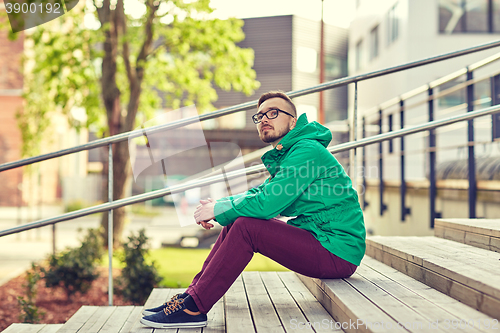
[[177, 266], [143, 210]]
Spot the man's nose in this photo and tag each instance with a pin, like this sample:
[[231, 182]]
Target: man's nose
[[264, 119]]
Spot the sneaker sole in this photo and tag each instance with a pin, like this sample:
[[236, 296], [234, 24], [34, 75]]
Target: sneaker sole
[[172, 325], [148, 313]]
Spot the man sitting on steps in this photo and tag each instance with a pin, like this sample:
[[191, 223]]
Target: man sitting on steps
[[326, 239]]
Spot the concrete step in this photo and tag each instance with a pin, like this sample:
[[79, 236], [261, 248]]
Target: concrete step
[[466, 273], [378, 298], [482, 233]]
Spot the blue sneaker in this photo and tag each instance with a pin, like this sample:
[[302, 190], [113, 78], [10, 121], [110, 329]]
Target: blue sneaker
[[152, 311], [176, 315]]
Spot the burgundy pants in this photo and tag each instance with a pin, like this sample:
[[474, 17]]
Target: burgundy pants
[[292, 247]]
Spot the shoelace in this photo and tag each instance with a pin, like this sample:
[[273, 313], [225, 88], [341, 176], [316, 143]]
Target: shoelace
[[176, 305], [175, 297]]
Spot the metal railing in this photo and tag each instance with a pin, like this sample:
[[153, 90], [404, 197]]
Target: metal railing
[[387, 110], [110, 205], [248, 171]]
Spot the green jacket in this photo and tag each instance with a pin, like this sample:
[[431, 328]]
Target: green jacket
[[308, 182]]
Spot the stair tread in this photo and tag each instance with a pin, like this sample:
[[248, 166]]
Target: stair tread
[[464, 272], [441, 300], [264, 302], [381, 296], [490, 227], [438, 258], [428, 309], [482, 233], [32, 328]]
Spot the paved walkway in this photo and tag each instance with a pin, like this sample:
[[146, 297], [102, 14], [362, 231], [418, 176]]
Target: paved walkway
[[17, 251]]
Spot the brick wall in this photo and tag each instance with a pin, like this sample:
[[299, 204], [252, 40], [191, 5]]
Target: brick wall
[[11, 84]]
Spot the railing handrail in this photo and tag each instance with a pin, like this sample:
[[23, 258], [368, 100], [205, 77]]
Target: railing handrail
[[435, 96], [433, 84], [247, 171], [246, 106]]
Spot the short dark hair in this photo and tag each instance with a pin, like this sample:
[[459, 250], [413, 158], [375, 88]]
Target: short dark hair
[[279, 94]]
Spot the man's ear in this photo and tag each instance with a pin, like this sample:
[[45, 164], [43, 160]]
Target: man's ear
[[294, 122]]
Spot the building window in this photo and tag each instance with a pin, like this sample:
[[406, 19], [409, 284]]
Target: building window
[[393, 24], [335, 67], [359, 54], [374, 43], [495, 15], [307, 59], [469, 16], [453, 99]]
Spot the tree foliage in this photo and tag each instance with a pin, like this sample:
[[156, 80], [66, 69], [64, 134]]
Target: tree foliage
[[125, 68], [173, 55]]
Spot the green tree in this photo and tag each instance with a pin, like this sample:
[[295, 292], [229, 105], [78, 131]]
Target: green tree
[[120, 71]]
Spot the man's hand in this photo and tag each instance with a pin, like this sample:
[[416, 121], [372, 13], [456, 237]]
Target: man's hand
[[204, 213], [206, 225]]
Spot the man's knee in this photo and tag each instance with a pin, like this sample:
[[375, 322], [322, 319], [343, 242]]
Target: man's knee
[[241, 221], [247, 223]]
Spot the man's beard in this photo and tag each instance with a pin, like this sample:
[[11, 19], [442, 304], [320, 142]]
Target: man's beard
[[271, 137]]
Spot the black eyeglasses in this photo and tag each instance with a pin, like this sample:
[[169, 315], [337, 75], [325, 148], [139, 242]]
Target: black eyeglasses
[[270, 114]]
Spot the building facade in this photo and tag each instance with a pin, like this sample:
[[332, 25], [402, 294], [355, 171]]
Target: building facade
[[287, 50], [11, 101], [42, 183], [385, 33], [286, 57]]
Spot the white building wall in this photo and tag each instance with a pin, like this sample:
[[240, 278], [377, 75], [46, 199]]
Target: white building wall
[[418, 38]]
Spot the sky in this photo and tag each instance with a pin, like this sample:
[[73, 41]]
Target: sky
[[336, 12]]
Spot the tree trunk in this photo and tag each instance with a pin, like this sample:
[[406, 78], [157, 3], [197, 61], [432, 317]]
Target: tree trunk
[[111, 99], [119, 122]]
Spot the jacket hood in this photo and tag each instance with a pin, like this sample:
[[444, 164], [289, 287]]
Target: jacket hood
[[306, 130], [303, 130]]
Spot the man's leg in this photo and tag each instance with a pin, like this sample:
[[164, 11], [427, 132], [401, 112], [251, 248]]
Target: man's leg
[[172, 301], [216, 246], [290, 246]]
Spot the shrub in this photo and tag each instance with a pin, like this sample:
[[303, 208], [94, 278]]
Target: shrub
[[29, 310], [76, 268], [137, 278], [75, 205]]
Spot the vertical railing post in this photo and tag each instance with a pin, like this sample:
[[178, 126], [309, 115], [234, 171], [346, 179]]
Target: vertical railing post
[[363, 161], [355, 137], [110, 226], [432, 161], [54, 239], [383, 207], [389, 123], [495, 99], [471, 158], [491, 18], [404, 210]]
